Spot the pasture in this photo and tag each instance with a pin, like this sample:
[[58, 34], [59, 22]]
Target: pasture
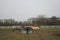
[[42, 34]]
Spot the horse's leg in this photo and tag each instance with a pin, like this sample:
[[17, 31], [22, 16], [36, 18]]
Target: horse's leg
[[19, 30], [13, 30]]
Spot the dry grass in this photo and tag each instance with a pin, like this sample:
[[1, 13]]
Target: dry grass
[[43, 34]]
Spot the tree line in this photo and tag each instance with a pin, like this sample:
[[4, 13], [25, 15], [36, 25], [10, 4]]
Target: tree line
[[40, 20], [10, 22], [47, 21]]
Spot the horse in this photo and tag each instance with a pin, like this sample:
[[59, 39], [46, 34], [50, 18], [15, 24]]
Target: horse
[[35, 28], [14, 28]]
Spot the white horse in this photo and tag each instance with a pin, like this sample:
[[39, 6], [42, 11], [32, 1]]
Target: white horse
[[35, 28]]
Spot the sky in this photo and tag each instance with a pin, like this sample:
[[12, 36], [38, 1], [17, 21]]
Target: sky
[[22, 10]]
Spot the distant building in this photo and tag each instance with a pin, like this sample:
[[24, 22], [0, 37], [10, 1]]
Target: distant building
[[7, 20], [44, 20]]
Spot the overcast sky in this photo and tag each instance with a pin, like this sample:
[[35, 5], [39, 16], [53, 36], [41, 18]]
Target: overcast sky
[[23, 9]]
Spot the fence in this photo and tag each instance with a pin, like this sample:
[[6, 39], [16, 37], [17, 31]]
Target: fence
[[58, 26], [53, 26]]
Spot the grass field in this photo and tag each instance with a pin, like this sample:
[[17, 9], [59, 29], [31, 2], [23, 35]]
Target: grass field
[[43, 34]]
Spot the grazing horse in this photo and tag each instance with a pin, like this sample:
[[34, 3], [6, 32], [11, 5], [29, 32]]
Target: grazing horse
[[35, 28], [16, 28], [32, 29]]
